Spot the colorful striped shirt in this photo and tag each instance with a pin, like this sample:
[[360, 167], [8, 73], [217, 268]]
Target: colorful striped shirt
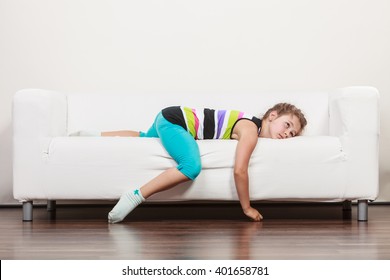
[[207, 123]]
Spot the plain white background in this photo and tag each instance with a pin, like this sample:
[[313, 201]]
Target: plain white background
[[165, 45]]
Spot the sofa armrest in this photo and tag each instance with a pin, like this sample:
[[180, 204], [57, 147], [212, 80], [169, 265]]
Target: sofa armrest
[[354, 111], [38, 115], [354, 118]]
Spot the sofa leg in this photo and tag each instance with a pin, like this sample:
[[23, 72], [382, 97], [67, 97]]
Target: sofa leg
[[362, 210], [27, 211], [347, 205], [347, 209], [51, 205]]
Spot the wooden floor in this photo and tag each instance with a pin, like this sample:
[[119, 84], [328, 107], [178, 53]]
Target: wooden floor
[[196, 232]]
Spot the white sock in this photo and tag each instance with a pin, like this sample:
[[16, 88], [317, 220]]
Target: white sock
[[86, 133], [127, 203]]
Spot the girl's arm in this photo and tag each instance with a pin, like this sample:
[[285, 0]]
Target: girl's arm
[[245, 131]]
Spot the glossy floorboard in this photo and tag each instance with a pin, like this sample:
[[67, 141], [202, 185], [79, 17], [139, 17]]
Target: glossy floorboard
[[196, 232]]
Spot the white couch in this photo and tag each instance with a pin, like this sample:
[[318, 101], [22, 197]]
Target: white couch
[[335, 160]]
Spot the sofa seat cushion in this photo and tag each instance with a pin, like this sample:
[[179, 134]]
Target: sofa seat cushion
[[103, 167]]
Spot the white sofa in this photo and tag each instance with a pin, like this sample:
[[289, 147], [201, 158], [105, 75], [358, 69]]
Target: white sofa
[[335, 160]]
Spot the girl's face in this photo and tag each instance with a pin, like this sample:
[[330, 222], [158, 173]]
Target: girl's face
[[281, 127]]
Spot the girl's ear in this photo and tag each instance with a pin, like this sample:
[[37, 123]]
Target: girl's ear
[[273, 115]]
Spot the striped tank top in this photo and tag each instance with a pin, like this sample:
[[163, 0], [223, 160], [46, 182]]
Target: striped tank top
[[207, 123]]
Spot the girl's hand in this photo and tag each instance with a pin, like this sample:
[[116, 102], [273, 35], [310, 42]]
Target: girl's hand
[[253, 214]]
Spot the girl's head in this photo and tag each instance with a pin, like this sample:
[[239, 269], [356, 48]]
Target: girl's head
[[283, 120]]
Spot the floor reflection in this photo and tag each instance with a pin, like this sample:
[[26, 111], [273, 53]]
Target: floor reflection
[[185, 240]]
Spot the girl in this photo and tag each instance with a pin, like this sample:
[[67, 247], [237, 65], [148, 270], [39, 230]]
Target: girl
[[179, 127]]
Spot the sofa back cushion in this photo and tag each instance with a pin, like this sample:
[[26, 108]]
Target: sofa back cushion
[[136, 111]]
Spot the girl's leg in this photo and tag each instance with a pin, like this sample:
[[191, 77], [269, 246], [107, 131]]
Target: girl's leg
[[132, 198], [183, 149], [131, 133], [152, 132], [96, 133], [166, 180], [122, 133]]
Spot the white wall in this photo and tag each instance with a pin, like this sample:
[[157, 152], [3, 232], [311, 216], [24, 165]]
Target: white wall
[[167, 45]]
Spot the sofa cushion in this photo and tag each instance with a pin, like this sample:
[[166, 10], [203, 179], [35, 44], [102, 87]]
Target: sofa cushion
[[106, 166]]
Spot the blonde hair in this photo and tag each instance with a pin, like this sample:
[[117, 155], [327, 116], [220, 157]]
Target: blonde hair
[[287, 109]]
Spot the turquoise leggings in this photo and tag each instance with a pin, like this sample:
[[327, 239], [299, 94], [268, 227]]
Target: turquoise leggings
[[179, 143]]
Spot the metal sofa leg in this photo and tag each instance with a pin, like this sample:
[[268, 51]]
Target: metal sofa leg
[[27, 211], [362, 210]]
